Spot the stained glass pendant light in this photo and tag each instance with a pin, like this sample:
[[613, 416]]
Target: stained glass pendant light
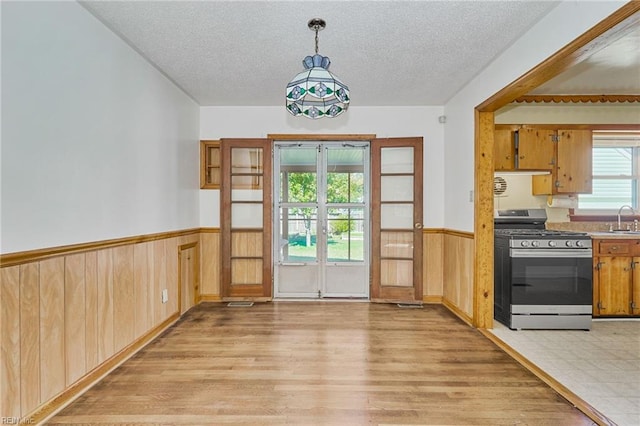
[[315, 92]]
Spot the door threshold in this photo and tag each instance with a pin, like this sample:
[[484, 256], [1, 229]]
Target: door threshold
[[323, 299]]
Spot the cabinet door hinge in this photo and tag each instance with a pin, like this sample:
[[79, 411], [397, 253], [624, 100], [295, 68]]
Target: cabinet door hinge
[[557, 183], [633, 264], [555, 138], [599, 266], [600, 306]]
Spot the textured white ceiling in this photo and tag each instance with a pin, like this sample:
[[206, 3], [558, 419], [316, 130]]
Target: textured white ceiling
[[387, 52]]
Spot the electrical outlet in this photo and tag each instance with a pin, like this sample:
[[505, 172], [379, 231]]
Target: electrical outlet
[[165, 295], [471, 196]]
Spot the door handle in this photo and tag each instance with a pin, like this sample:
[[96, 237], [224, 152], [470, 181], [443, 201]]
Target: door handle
[[418, 225]]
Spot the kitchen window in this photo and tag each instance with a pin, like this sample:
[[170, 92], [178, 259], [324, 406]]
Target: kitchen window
[[616, 173]]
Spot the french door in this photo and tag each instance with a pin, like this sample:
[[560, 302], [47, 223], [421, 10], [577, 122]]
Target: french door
[[246, 219], [321, 219], [396, 206]]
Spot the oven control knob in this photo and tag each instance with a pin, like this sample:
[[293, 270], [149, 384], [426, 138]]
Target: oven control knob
[[579, 244], [569, 243], [525, 244], [552, 244], [535, 243]]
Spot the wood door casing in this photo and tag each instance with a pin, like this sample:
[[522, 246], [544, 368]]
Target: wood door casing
[[396, 254], [246, 268]]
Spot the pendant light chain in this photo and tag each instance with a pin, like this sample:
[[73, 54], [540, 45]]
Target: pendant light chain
[[316, 28]]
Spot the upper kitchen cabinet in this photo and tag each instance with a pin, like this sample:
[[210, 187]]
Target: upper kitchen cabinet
[[504, 149], [571, 172], [574, 171], [535, 149]]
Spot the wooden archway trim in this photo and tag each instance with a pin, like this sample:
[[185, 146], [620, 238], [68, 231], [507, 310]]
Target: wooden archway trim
[[615, 26], [605, 32]]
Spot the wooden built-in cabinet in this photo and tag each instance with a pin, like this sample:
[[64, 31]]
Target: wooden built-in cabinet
[[572, 165], [565, 153], [535, 150], [504, 149], [616, 277], [210, 164]]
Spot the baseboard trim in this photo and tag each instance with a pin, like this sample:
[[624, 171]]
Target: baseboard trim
[[457, 311], [210, 298], [574, 399], [432, 300], [55, 405]]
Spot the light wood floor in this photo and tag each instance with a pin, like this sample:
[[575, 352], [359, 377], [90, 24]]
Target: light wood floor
[[321, 364]]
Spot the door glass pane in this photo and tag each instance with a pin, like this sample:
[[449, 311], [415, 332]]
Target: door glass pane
[[246, 182], [298, 175], [345, 238], [246, 195], [246, 215], [246, 160], [345, 175], [396, 216], [396, 160], [298, 235], [396, 188]]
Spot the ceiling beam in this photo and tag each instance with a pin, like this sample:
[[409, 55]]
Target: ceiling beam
[[617, 25]]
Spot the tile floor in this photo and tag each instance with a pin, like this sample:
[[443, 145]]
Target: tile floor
[[601, 366]]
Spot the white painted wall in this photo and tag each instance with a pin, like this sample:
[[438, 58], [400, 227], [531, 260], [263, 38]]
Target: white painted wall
[[258, 122], [562, 25], [96, 143]]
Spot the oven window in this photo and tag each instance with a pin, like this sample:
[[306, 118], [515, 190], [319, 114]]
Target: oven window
[[551, 281]]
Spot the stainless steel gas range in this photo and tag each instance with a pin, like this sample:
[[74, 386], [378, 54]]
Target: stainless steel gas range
[[542, 278]]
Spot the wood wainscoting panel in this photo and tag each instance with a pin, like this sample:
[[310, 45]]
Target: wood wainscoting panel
[[433, 264], [10, 341], [458, 271], [75, 317], [123, 297], [52, 365], [210, 263], [29, 348], [68, 317], [91, 310], [171, 307], [142, 273], [105, 304], [159, 279]]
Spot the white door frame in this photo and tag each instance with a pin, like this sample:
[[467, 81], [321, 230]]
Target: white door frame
[[313, 276]]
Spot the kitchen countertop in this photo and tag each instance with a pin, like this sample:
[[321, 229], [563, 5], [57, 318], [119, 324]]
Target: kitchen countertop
[[615, 235]]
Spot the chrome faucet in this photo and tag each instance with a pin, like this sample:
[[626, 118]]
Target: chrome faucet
[[626, 206]]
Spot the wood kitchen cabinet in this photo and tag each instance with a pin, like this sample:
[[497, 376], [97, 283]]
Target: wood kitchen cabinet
[[504, 149], [536, 150], [571, 172], [566, 154], [616, 277], [210, 164]]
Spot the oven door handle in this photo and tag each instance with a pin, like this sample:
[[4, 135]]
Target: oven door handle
[[549, 252]]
